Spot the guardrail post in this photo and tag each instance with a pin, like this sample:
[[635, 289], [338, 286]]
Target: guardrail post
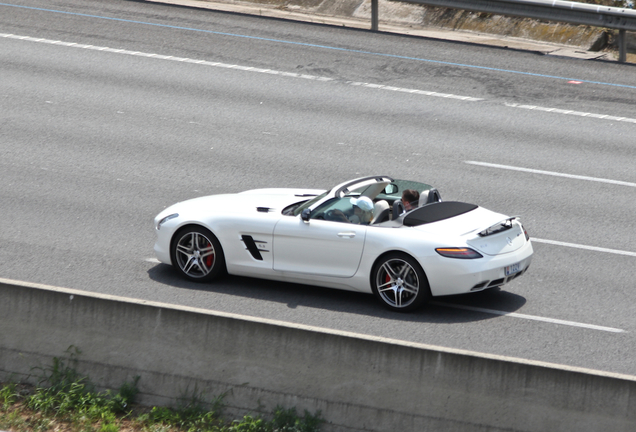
[[374, 15], [622, 46]]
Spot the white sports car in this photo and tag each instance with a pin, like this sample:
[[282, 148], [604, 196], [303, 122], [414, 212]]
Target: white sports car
[[358, 236]]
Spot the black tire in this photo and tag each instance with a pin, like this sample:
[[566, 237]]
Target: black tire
[[197, 254], [399, 282]]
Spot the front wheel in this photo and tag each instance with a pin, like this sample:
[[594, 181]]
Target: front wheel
[[196, 254], [399, 282]]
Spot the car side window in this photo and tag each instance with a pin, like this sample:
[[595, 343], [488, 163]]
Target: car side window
[[336, 210]]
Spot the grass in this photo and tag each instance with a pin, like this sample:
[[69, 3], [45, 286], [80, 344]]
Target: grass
[[614, 3], [65, 401]]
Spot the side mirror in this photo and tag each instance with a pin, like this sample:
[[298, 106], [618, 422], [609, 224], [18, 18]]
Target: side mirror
[[305, 215], [391, 189]]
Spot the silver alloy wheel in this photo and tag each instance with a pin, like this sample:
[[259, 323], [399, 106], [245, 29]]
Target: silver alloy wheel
[[397, 283], [195, 255]]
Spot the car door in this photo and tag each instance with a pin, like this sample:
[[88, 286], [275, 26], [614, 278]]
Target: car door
[[318, 247]]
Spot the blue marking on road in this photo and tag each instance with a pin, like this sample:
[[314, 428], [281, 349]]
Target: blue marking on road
[[324, 47]]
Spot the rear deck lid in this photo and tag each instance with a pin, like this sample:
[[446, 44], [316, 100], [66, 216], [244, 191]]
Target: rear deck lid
[[487, 232], [502, 237]]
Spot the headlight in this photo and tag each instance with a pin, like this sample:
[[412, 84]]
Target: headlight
[[461, 253], [166, 219]]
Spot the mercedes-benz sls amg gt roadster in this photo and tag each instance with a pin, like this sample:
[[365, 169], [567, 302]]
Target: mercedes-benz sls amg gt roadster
[[358, 236]]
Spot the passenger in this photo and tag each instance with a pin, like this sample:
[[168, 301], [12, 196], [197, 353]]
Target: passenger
[[362, 210]]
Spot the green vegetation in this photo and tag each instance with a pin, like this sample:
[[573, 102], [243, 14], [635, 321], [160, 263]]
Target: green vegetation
[[65, 401], [613, 3]]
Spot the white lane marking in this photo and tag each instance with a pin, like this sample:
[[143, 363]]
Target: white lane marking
[[414, 91], [239, 67], [552, 173], [153, 260], [571, 112], [585, 247], [164, 57], [530, 317]]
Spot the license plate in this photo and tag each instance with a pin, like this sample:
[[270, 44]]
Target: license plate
[[512, 269]]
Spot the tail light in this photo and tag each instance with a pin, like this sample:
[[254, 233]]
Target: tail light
[[459, 253]]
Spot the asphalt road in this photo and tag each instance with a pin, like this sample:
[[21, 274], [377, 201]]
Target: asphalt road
[[97, 135]]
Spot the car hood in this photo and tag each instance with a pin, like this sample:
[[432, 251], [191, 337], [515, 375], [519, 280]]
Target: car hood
[[275, 200], [267, 200]]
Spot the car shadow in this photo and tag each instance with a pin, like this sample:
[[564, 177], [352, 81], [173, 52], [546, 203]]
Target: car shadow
[[446, 309]]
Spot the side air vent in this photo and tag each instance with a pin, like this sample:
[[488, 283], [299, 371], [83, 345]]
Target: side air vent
[[250, 245]]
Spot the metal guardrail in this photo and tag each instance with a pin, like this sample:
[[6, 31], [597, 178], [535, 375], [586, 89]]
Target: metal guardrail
[[550, 10]]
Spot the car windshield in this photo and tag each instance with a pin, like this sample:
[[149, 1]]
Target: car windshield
[[302, 206], [391, 193]]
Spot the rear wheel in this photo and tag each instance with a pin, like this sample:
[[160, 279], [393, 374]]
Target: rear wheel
[[399, 282], [196, 254]]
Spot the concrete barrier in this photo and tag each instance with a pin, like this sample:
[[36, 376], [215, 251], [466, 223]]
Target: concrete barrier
[[358, 382]]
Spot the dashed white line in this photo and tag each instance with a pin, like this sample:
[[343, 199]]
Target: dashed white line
[[239, 67], [414, 91], [530, 317], [163, 57], [571, 112], [584, 247], [552, 173]]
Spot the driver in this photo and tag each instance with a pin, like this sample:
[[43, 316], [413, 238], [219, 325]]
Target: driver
[[410, 198], [362, 210]]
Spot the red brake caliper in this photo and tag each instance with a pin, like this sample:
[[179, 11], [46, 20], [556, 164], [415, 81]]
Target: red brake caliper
[[210, 259]]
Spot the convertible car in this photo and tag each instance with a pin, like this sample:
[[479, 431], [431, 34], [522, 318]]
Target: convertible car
[[358, 236]]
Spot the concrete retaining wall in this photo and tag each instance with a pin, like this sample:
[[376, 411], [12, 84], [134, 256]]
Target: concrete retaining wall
[[358, 382]]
